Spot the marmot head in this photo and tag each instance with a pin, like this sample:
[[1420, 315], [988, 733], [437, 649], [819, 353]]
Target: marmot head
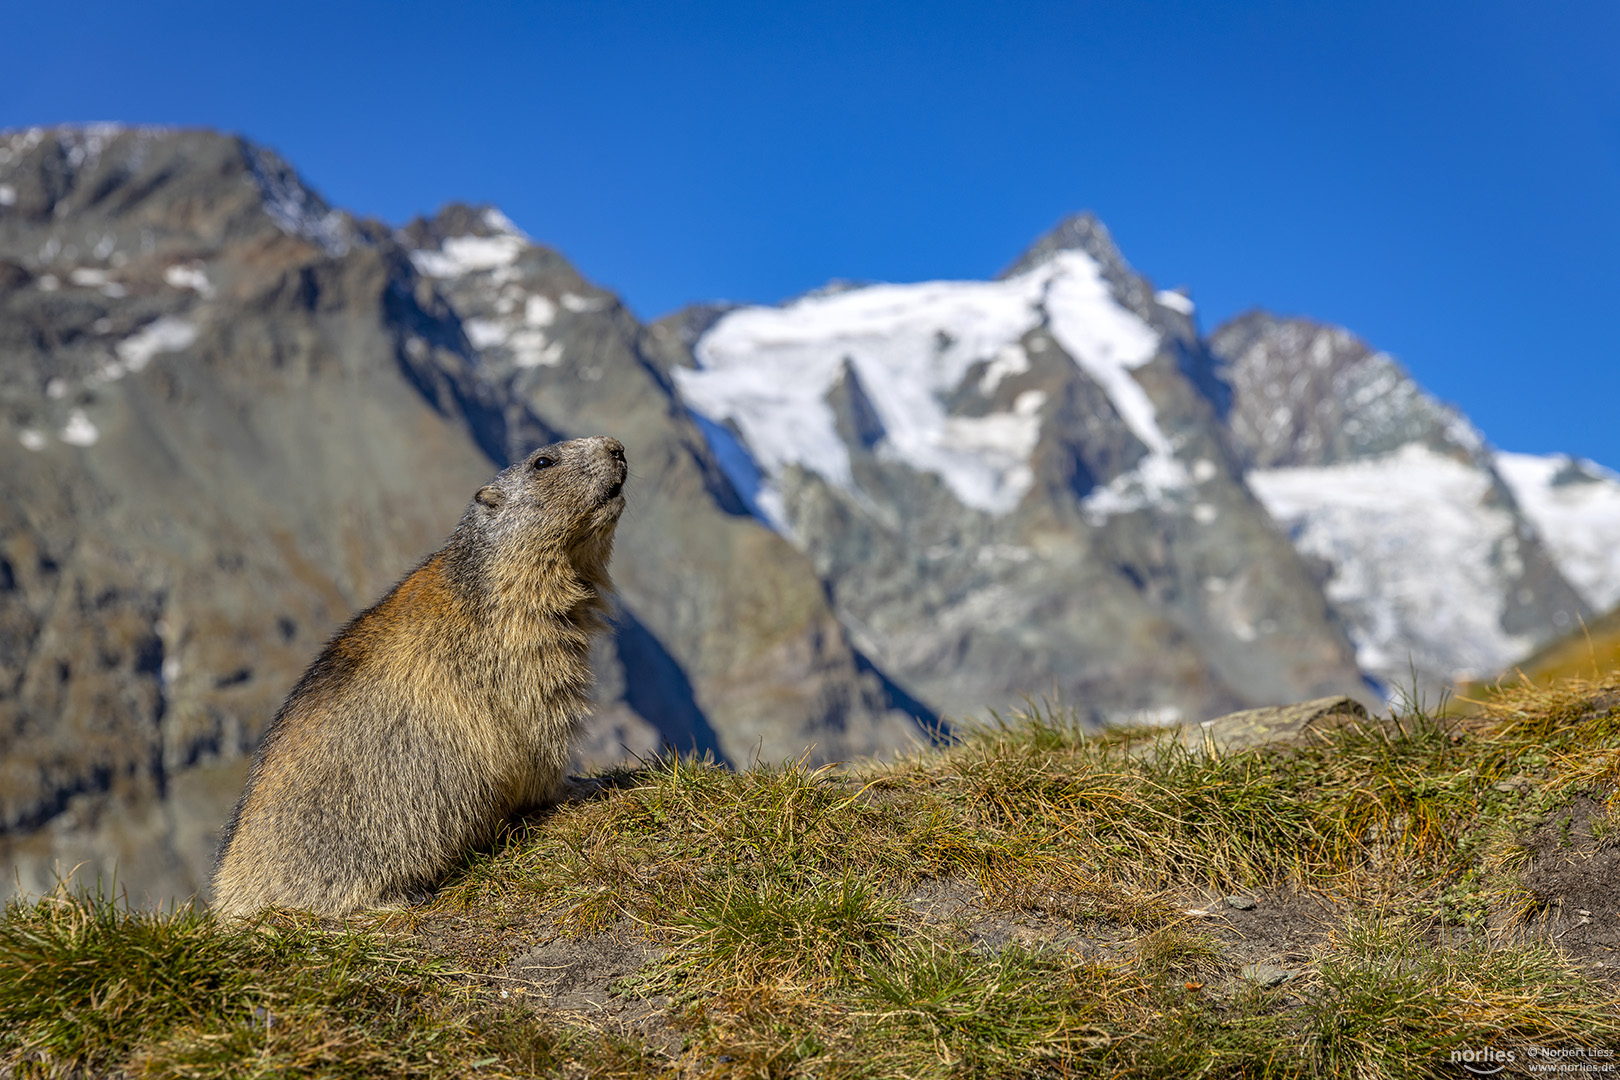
[[559, 502]]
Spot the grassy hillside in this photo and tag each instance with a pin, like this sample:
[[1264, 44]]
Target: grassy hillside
[[1033, 901]]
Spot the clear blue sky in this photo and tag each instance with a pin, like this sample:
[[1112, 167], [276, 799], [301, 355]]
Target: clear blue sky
[[1442, 178]]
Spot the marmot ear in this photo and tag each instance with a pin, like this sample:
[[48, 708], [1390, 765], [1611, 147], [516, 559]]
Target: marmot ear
[[491, 496]]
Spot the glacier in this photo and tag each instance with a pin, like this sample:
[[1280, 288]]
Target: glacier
[[767, 372], [1575, 505]]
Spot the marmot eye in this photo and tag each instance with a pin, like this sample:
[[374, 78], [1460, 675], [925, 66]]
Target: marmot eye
[[543, 462]]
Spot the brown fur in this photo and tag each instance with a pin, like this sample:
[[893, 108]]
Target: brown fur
[[438, 712]]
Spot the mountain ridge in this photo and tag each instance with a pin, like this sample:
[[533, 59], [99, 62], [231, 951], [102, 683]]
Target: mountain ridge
[[233, 414]]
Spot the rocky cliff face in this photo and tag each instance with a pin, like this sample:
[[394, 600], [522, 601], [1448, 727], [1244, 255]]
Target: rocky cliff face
[[1429, 558], [210, 458], [232, 416]]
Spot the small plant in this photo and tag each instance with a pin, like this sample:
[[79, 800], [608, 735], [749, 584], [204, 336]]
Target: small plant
[[1175, 950], [985, 1014], [741, 932]]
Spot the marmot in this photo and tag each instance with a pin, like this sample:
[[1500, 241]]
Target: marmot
[[437, 713]]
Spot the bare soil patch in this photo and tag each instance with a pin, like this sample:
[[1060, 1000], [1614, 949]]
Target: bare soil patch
[[591, 978], [1575, 880], [1280, 931]]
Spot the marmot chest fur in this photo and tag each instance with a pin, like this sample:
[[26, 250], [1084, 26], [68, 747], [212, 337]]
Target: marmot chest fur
[[435, 714]]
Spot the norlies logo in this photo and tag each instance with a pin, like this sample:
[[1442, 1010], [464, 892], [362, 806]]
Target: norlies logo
[[1581, 1060]]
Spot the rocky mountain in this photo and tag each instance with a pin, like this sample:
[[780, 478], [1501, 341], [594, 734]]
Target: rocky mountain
[[1429, 558], [231, 415], [1018, 486], [210, 459]]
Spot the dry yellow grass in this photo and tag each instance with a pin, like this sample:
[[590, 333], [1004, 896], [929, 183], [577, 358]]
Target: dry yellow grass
[[1033, 900]]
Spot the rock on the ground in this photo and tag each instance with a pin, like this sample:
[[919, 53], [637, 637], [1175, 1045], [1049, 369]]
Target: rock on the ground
[[1273, 723]]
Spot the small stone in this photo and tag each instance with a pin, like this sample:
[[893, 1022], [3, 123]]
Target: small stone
[[1242, 903], [1281, 723], [1267, 975]]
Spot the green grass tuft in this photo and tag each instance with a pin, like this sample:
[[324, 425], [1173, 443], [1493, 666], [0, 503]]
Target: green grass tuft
[[747, 931], [1395, 1002]]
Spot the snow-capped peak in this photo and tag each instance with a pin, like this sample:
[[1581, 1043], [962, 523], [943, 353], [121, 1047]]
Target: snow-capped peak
[[767, 374], [481, 239], [502, 224], [468, 254], [1081, 232]]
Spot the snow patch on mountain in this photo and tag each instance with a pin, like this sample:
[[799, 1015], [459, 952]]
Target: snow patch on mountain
[[164, 334], [79, 431], [520, 319], [1419, 558], [765, 374], [1011, 436], [1575, 506], [191, 276], [1149, 483], [539, 311], [1175, 300], [295, 209], [468, 254], [1107, 341], [483, 333], [498, 221], [577, 304]]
